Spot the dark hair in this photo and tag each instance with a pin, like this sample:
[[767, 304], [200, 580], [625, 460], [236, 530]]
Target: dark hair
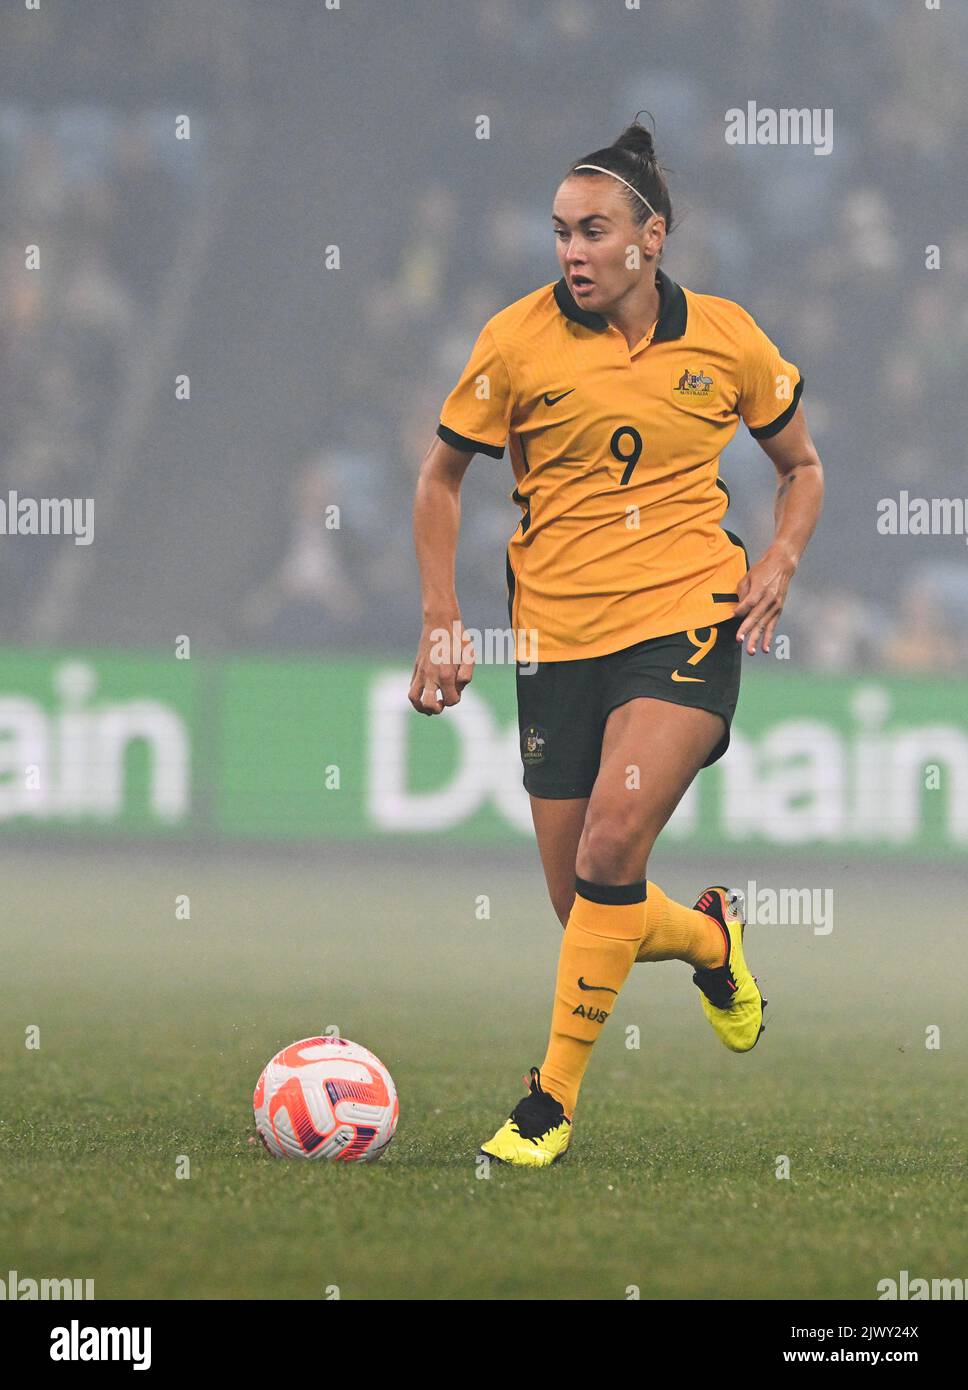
[[632, 156]]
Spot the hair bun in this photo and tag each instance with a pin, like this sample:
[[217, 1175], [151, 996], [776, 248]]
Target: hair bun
[[637, 140]]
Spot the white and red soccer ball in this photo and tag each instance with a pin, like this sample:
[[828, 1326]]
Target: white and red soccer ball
[[326, 1098]]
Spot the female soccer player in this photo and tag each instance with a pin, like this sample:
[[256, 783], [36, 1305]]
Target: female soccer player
[[616, 391]]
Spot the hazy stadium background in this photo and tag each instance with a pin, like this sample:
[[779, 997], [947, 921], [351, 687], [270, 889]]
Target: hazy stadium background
[[313, 385]]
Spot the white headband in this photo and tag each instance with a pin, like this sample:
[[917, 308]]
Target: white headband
[[598, 169]]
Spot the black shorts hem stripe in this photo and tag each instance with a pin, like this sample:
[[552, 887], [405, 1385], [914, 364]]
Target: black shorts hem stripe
[[775, 426], [468, 446], [560, 791], [611, 894]]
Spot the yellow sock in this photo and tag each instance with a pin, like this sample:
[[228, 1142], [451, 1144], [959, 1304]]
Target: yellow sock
[[597, 952], [674, 932]]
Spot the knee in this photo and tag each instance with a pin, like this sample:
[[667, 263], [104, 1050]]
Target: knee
[[609, 852]]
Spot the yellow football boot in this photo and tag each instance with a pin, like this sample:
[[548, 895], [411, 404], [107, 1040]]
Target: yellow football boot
[[537, 1133], [730, 998]]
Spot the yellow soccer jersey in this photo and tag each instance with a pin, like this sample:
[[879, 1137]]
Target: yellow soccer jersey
[[615, 453]]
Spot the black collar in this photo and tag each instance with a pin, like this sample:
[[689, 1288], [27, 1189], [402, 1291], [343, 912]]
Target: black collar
[[672, 309]]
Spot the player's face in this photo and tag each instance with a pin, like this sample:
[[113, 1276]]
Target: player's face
[[594, 232]]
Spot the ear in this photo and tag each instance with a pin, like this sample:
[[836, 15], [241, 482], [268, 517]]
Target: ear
[[654, 234]]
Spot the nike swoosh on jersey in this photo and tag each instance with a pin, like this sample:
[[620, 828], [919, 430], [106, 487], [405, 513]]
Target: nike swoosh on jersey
[[700, 680], [553, 400]]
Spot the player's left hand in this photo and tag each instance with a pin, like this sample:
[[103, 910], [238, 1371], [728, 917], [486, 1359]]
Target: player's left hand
[[762, 594]]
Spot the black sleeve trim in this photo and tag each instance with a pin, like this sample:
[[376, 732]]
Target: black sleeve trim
[[775, 426], [469, 446]]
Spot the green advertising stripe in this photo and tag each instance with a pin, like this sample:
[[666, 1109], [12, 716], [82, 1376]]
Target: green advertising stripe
[[98, 741], [335, 749], [258, 748]]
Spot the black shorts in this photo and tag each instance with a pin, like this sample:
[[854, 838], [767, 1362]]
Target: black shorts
[[563, 705]]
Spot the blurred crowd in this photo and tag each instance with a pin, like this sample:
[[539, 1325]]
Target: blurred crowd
[[827, 252], [89, 208]]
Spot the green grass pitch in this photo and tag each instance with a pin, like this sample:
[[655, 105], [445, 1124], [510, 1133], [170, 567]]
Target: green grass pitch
[[153, 1032]]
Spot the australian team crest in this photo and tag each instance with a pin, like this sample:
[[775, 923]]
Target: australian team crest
[[693, 386], [534, 742]]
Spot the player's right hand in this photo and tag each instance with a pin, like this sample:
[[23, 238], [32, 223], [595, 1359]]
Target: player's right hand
[[444, 665]]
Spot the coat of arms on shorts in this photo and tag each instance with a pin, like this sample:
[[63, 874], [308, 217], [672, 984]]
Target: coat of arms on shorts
[[695, 385], [534, 741]]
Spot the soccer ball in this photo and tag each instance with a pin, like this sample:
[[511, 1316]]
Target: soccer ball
[[326, 1098]]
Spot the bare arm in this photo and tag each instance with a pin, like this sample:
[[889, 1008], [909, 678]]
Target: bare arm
[[799, 499], [440, 662]]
